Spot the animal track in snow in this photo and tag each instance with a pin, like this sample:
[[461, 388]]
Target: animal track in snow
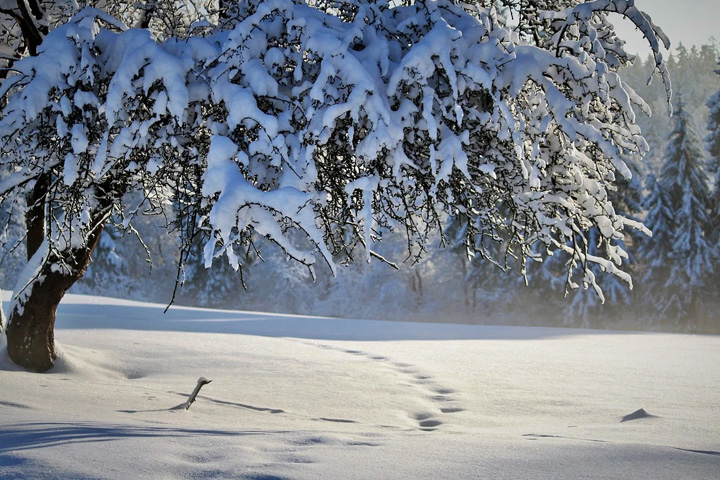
[[428, 424], [444, 391], [452, 410], [420, 416], [415, 378]]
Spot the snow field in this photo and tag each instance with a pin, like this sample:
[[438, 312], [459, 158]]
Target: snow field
[[308, 398]]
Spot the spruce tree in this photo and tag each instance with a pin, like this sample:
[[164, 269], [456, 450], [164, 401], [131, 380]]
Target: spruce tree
[[682, 259], [656, 251], [713, 166]]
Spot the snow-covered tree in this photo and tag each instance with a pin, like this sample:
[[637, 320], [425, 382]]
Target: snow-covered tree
[[680, 255], [713, 166], [318, 128], [588, 306], [692, 71], [656, 252], [24, 26]]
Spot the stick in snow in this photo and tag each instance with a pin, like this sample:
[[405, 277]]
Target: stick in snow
[[201, 381]]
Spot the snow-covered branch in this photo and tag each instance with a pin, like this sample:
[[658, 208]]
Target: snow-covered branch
[[319, 129]]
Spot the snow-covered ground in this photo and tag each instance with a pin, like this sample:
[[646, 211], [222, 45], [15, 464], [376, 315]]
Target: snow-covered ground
[[315, 398]]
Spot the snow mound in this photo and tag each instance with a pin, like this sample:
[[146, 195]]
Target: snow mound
[[636, 415]]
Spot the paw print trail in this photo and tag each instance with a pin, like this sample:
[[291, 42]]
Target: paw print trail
[[440, 400]]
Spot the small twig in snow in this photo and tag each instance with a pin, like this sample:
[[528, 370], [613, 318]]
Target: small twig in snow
[[200, 383]]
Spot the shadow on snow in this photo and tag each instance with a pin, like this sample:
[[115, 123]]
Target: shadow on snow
[[28, 436], [147, 317]]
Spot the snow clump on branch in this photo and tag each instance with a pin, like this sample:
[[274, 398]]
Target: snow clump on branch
[[320, 129]]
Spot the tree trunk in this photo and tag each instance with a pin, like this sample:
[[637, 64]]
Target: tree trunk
[[31, 326], [2, 315]]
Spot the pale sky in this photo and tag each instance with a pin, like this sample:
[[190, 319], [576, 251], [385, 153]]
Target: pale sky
[[691, 22]]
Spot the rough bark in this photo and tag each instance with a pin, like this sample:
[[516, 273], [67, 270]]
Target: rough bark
[[3, 321], [35, 215], [31, 329]]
